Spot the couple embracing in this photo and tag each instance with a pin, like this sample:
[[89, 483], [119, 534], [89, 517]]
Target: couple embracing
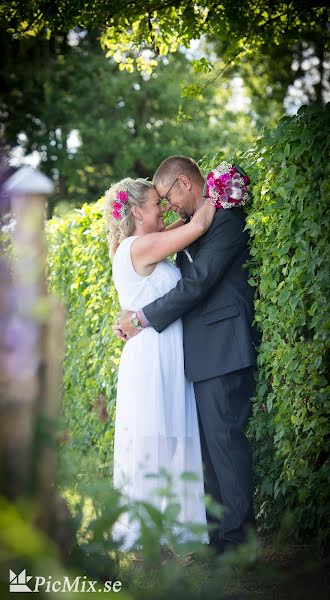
[[186, 374]]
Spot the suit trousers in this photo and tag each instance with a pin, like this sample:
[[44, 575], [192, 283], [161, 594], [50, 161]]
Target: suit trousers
[[224, 407]]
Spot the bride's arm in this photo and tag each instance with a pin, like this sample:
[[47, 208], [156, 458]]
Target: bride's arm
[[149, 249]]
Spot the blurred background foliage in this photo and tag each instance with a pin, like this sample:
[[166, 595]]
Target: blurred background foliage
[[91, 123], [94, 91]]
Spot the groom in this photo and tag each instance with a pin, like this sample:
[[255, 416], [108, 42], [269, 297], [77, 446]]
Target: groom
[[215, 302]]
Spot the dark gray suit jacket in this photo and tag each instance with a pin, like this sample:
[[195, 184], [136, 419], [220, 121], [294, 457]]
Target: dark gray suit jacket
[[214, 300]]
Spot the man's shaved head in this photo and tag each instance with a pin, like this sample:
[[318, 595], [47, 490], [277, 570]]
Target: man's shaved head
[[173, 166]]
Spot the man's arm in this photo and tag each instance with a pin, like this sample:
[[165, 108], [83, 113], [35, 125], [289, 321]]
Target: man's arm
[[218, 249]]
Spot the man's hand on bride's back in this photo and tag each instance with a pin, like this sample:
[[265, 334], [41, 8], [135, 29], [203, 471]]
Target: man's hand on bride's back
[[123, 327], [205, 214]]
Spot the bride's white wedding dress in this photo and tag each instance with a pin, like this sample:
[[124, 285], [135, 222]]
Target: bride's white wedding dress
[[156, 421]]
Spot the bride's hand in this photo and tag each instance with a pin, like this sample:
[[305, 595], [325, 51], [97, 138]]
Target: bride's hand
[[204, 215], [123, 327]]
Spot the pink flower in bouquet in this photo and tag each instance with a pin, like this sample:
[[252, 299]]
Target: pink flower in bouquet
[[211, 181], [226, 186], [236, 192], [223, 179]]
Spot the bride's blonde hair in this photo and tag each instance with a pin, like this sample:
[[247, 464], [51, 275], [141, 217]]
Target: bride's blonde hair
[[137, 194]]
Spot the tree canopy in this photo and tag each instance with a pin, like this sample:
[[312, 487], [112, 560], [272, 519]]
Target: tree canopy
[[164, 22], [89, 122], [163, 26], [51, 86]]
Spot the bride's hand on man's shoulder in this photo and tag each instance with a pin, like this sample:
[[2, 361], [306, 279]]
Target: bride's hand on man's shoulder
[[205, 214]]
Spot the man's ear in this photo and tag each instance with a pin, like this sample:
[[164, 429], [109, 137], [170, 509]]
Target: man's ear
[[185, 181]]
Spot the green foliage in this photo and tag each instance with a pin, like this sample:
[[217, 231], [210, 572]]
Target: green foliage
[[268, 37], [289, 223], [80, 272], [91, 553], [94, 507], [128, 27], [125, 123]]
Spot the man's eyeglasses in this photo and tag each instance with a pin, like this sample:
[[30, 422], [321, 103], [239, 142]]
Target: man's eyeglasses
[[165, 199]]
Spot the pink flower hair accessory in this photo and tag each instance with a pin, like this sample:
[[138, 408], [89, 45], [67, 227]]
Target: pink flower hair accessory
[[226, 186], [119, 208]]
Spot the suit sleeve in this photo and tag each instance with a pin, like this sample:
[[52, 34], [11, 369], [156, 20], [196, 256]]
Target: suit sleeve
[[218, 248]]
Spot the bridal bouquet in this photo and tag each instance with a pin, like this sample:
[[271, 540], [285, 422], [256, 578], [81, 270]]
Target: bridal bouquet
[[226, 186]]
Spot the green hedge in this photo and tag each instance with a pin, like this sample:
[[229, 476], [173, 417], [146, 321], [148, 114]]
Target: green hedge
[[289, 223], [80, 272]]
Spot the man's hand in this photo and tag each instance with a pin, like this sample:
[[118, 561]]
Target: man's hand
[[123, 327]]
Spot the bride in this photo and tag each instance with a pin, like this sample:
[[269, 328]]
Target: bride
[[156, 426]]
